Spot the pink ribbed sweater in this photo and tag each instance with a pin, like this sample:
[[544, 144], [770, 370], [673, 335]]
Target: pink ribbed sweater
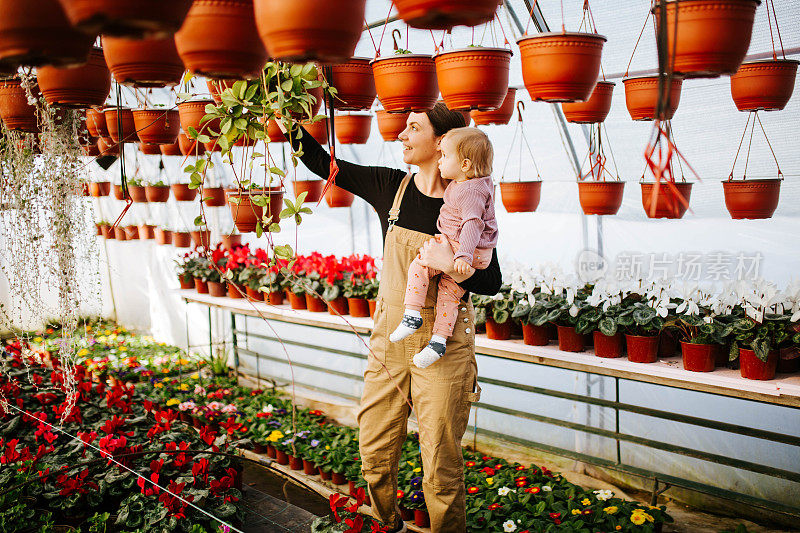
[[468, 216]]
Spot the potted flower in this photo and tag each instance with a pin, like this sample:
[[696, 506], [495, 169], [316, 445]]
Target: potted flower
[[602, 318], [157, 192], [642, 322], [331, 273], [495, 312], [360, 283]]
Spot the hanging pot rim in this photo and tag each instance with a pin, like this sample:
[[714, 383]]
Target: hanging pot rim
[[655, 6], [355, 59], [675, 77], [473, 49], [401, 56], [564, 34], [768, 61], [751, 180]]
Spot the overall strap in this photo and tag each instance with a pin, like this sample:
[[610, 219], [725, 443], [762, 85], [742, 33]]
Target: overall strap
[[394, 212]]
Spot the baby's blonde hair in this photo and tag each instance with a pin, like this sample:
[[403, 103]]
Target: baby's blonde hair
[[473, 144]]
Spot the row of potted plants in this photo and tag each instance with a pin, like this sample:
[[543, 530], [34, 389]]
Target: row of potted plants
[[161, 235]]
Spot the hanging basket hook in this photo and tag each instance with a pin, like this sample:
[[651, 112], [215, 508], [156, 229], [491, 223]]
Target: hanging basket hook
[[396, 36], [520, 109]]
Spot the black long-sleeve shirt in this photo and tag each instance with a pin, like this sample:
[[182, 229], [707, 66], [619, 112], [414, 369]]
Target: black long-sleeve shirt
[[378, 186]]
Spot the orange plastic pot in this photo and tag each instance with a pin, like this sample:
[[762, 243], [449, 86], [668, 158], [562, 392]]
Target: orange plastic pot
[[297, 301], [96, 123], [149, 149], [189, 146], [309, 30], [642, 348], [201, 237], [444, 14], [752, 199], [764, 85], [146, 232], [535, 335], [120, 117], [569, 340], [593, 110], [163, 236], [373, 306], [220, 40], [186, 285], [667, 203], [214, 196], [231, 241], [406, 82], [217, 289], [315, 304], [143, 63], [254, 295], [355, 85], [521, 196], [119, 234], [391, 125], [131, 233], [182, 192], [138, 193], [312, 187], [498, 332], [317, 129], [698, 357], [601, 197], [751, 367], [171, 149], [181, 239], [192, 113], [83, 86], [353, 129], [501, 115], [157, 194], [235, 291], [561, 67], [473, 78], [201, 286], [274, 133], [156, 126], [274, 298], [338, 197], [246, 214], [38, 33], [711, 37], [338, 306], [641, 97], [127, 18], [99, 188], [16, 112], [608, 346], [106, 146], [358, 307]]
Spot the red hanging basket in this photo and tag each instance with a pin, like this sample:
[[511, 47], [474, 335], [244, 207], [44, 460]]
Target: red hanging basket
[[96, 123], [214, 197], [318, 129], [217, 87], [501, 115], [157, 126], [171, 149], [83, 86], [127, 18], [338, 197], [16, 112], [601, 197], [312, 187], [355, 85], [764, 85], [246, 214], [444, 14], [128, 133], [143, 63], [406, 82], [107, 146], [353, 129], [192, 112], [641, 97], [521, 196], [754, 199], [391, 125], [473, 78], [149, 149], [595, 109], [668, 204]]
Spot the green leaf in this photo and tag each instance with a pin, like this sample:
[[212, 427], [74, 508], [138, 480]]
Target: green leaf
[[259, 229], [199, 221], [275, 228]]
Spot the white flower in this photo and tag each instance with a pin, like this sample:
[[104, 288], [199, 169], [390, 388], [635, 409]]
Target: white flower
[[509, 526], [502, 491], [603, 494], [268, 409], [547, 488]]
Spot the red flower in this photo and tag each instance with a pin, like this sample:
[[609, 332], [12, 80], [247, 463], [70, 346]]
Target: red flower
[[356, 524], [470, 464], [533, 490], [520, 468], [400, 494], [77, 484], [555, 516], [336, 501], [473, 490], [494, 506], [486, 458], [148, 489], [498, 467], [488, 471]]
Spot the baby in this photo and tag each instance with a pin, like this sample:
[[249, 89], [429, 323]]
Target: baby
[[467, 220]]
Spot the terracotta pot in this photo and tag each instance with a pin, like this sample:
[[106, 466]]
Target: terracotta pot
[[764, 85], [569, 341], [324, 474], [520, 196], [355, 85], [254, 295], [182, 192], [712, 36], [668, 204], [163, 236], [641, 97], [338, 479], [189, 146], [274, 298], [295, 463], [191, 113], [391, 125], [312, 187], [96, 123], [99, 188], [561, 67], [501, 115], [274, 133], [119, 194], [535, 335], [83, 86], [601, 197], [473, 78], [157, 194], [214, 196], [315, 304], [609, 347], [143, 63], [38, 33], [642, 348], [338, 306], [246, 214], [138, 193], [113, 118], [752, 198], [271, 451], [108, 147], [173, 149], [131, 233], [15, 111], [444, 14], [181, 239], [201, 237], [318, 129], [353, 129], [309, 30], [235, 291], [220, 40], [149, 149], [281, 458], [130, 18], [698, 357], [358, 307], [218, 289], [406, 82], [309, 468], [156, 126], [338, 197], [119, 234], [146, 232], [297, 301], [373, 305], [229, 241], [498, 332], [217, 87], [107, 231], [751, 367], [593, 110], [421, 518]]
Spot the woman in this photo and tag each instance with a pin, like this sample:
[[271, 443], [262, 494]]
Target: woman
[[408, 206]]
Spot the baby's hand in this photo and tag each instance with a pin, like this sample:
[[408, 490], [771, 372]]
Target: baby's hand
[[461, 266]]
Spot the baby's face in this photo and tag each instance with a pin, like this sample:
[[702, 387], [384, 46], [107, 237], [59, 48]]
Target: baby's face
[[450, 165]]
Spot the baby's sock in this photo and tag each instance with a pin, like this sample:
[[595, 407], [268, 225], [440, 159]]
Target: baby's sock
[[411, 322], [431, 353]]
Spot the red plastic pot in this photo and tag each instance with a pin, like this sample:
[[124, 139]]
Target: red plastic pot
[[106, 146], [138, 193], [315, 304], [444, 14], [391, 125], [473, 78], [593, 110], [297, 301], [641, 97], [281, 457], [338, 479], [318, 129], [156, 126], [201, 237], [498, 332], [358, 307], [173, 149], [181, 239], [246, 214], [149, 149], [569, 341], [422, 518], [254, 295], [217, 87], [220, 40], [338, 306], [501, 115], [601, 197], [274, 298], [338, 197], [83, 86], [535, 335], [189, 146], [608, 346], [128, 18], [271, 451], [163, 236], [236, 291], [667, 344], [754, 199], [355, 85], [182, 192], [16, 112], [642, 348], [751, 367], [217, 288], [309, 468], [214, 196], [143, 63], [698, 357], [324, 474], [96, 123], [99, 188], [120, 116], [764, 85], [131, 233], [157, 194], [119, 234], [353, 129], [667, 203], [191, 114], [312, 187], [295, 463], [520, 196], [406, 82]]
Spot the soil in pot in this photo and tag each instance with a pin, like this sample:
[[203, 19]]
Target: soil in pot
[[521, 196]]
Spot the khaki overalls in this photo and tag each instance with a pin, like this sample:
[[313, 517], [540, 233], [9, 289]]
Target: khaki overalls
[[442, 394]]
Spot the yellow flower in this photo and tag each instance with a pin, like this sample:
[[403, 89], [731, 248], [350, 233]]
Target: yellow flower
[[327, 447], [576, 511], [275, 435], [654, 507], [195, 375], [88, 328], [611, 510], [417, 469], [107, 332], [37, 339], [183, 361], [173, 401], [637, 519], [586, 501], [123, 349], [83, 353], [489, 480], [184, 386], [159, 385]]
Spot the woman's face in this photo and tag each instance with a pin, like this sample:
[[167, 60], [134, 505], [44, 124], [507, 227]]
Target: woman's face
[[420, 143]]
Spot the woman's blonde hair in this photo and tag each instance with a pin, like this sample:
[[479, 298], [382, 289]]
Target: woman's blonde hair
[[473, 144]]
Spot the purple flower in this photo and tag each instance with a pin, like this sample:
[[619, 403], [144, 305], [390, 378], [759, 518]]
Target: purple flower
[[416, 482], [417, 496], [303, 434], [314, 443], [279, 412]]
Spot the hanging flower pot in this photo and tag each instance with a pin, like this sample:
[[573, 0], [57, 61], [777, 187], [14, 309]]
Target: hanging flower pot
[[127, 18], [120, 117], [593, 110], [171, 149], [641, 97], [309, 30], [520, 196], [764, 85], [181, 239], [561, 67], [156, 126], [569, 340], [16, 112], [668, 204], [90, 149], [149, 149], [751, 367], [231, 241], [146, 231], [96, 123], [353, 129], [157, 193], [38, 33], [318, 129], [214, 196], [608, 346], [163, 236], [501, 115], [711, 38], [220, 40], [312, 187], [391, 125], [246, 214], [182, 192], [355, 85], [274, 132], [535, 335], [107, 146], [496, 331], [191, 114], [190, 147], [138, 193], [698, 357], [217, 87], [600, 197], [143, 63], [642, 348], [473, 78], [83, 86], [444, 14], [338, 197], [99, 188], [201, 237], [752, 198], [406, 82]]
